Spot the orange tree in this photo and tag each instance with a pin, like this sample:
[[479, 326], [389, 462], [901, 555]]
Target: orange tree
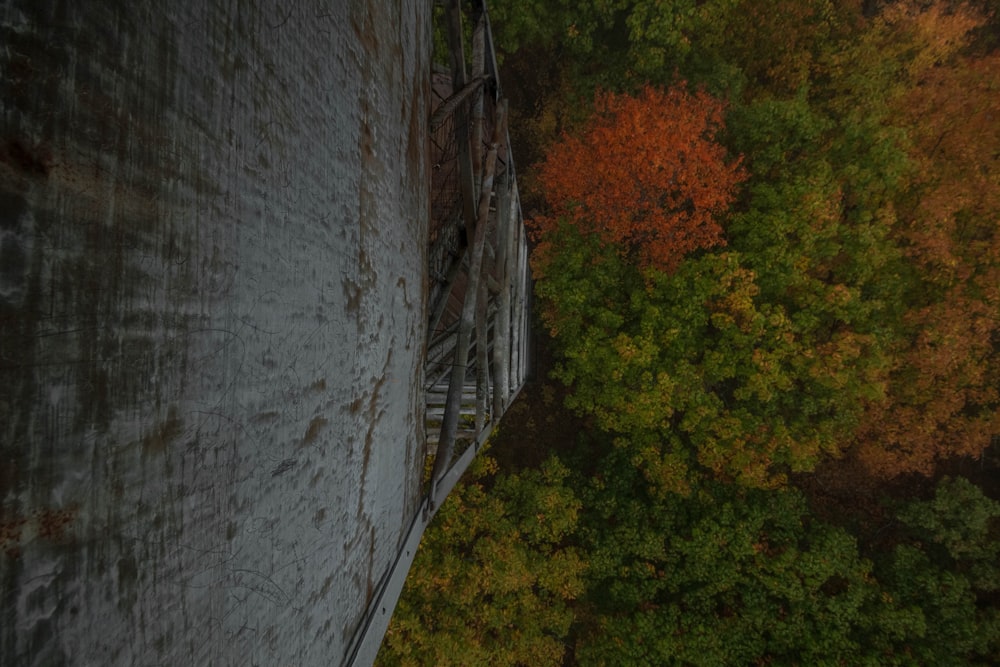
[[646, 176], [945, 389]]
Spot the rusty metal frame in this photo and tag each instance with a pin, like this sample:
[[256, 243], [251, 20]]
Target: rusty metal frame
[[496, 298]]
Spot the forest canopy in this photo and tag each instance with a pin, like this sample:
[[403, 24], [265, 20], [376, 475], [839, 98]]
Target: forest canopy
[[767, 262]]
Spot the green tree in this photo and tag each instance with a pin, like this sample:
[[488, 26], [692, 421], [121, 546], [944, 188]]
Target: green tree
[[494, 579], [577, 28], [726, 576], [766, 49], [946, 570], [613, 44], [961, 528], [694, 372], [948, 629]]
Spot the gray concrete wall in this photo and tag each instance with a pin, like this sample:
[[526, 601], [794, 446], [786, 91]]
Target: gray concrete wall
[[212, 305]]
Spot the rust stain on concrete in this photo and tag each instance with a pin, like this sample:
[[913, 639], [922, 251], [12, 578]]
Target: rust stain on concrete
[[312, 431]]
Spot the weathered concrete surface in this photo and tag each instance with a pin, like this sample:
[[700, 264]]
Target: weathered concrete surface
[[212, 303]]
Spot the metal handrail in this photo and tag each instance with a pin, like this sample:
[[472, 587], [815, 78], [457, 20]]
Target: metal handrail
[[509, 350]]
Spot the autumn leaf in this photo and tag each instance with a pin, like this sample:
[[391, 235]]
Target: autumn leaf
[[645, 176]]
